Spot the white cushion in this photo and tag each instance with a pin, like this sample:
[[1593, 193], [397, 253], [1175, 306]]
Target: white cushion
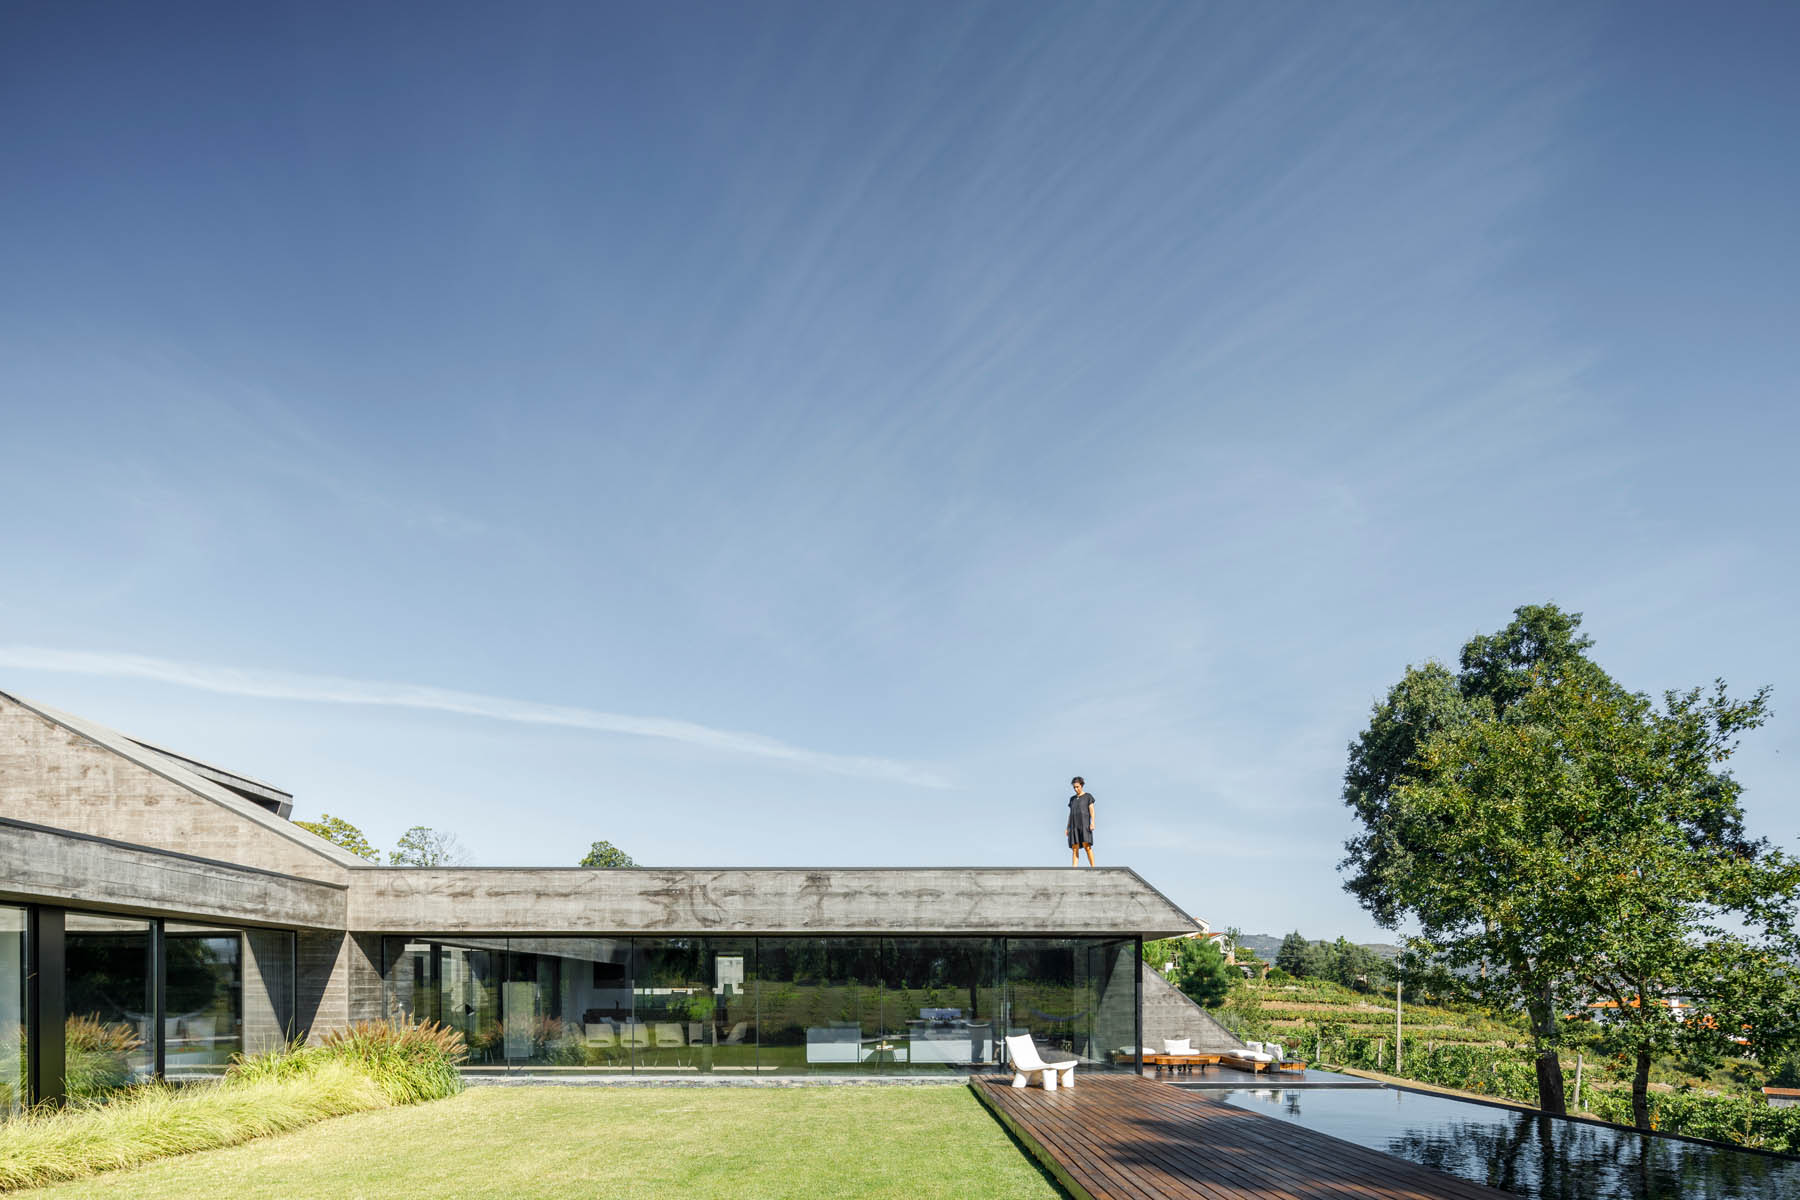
[[1177, 1046], [1254, 1047]]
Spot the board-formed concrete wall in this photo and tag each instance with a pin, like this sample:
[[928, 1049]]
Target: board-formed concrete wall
[[51, 774], [50, 866], [1168, 1013], [926, 900]]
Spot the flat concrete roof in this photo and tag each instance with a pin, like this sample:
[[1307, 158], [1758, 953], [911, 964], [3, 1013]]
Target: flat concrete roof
[[1040, 901]]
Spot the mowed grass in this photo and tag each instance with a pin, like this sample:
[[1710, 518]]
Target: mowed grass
[[527, 1143]]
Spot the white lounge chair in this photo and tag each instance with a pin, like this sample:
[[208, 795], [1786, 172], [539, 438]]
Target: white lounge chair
[[1023, 1055]]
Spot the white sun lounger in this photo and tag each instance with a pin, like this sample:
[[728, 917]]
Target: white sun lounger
[[1023, 1055]]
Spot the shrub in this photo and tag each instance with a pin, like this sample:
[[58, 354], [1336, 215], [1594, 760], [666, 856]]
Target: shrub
[[1740, 1120]]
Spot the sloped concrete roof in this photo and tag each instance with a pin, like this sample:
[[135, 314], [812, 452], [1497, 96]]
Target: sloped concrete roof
[[186, 774]]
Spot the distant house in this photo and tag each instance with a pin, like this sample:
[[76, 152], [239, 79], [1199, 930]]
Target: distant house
[[1782, 1097]]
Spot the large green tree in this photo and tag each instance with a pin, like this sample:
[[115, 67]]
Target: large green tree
[[340, 832], [1419, 860], [1558, 839]]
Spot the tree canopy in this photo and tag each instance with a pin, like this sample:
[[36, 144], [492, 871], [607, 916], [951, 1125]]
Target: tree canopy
[[1342, 962], [605, 854], [1196, 966], [422, 846], [1558, 839], [340, 832]]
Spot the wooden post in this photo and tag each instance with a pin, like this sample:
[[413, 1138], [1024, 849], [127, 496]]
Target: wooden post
[[1578, 1082], [1380, 1054], [1397, 987]]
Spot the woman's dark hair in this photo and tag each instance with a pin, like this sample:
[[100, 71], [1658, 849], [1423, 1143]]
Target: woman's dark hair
[[1076, 780]]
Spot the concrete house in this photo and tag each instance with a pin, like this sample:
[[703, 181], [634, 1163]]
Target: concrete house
[[158, 915]]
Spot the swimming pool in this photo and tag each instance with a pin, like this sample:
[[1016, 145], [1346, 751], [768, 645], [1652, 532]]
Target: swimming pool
[[1545, 1158]]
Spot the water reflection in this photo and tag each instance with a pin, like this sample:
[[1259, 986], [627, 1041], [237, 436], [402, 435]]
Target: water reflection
[[1545, 1158]]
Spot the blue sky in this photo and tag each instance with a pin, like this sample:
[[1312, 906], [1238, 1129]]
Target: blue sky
[[782, 435]]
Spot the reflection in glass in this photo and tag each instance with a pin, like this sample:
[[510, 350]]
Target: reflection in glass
[[943, 995], [818, 1003], [13, 957], [672, 1004], [203, 999], [411, 980], [1077, 996], [566, 1002], [727, 1009], [468, 974], [110, 1039], [766, 1004]]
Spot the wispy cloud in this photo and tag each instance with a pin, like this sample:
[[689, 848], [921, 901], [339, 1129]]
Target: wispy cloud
[[327, 689]]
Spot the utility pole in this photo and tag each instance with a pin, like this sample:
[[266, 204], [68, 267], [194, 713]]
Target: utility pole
[[1397, 986]]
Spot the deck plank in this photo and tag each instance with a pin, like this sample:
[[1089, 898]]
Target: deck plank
[[1124, 1137]]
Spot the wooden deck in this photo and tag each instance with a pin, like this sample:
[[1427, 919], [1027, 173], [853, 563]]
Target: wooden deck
[[1124, 1137]]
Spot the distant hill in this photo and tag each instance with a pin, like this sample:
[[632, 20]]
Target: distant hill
[[1265, 946]]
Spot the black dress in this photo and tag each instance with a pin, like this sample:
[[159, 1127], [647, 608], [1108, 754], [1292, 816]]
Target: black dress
[[1081, 832]]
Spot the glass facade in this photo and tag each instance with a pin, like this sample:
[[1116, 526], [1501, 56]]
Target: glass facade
[[14, 955], [767, 1005], [137, 998], [203, 1004], [109, 981]]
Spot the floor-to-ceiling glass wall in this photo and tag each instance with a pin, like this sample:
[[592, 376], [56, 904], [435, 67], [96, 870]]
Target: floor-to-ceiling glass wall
[[566, 1003], [672, 1003], [109, 982], [767, 1005], [14, 955], [818, 1006], [1077, 996], [942, 997], [203, 999], [469, 986]]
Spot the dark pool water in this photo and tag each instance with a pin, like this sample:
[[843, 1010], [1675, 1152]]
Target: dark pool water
[[1546, 1158]]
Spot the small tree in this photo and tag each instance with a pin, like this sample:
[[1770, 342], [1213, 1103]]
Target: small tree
[[340, 832], [605, 854], [1293, 953], [422, 846], [1200, 972]]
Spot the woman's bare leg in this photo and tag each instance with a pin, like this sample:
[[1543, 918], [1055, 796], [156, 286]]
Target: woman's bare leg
[[1090, 853], [1074, 856]]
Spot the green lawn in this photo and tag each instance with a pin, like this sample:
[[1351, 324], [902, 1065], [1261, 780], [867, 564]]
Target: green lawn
[[524, 1143]]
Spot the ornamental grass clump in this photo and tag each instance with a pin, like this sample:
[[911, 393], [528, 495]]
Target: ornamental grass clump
[[411, 1062], [366, 1066], [157, 1120]]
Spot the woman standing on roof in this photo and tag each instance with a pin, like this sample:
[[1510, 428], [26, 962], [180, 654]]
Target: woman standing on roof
[[1081, 823]]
